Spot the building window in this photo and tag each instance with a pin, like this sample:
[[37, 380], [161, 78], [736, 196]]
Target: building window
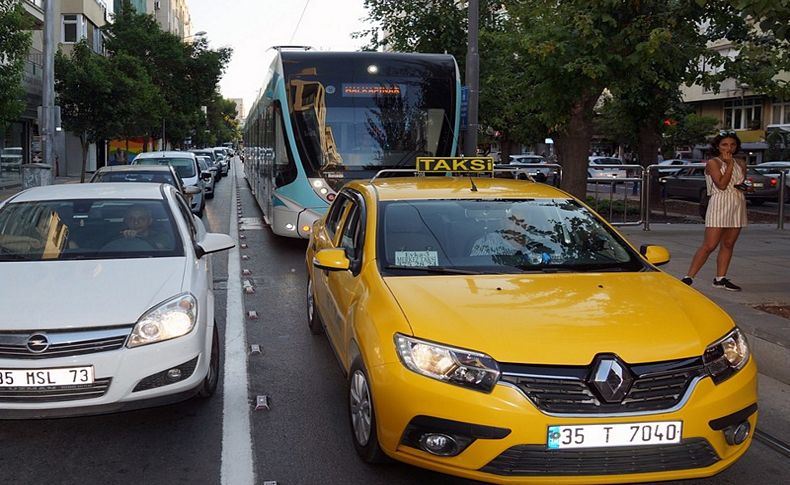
[[743, 114], [74, 28], [781, 114]]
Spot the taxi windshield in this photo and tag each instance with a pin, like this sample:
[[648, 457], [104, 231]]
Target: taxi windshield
[[498, 236], [87, 229]]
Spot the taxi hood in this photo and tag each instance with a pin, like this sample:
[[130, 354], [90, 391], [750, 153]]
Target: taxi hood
[[53, 295], [562, 318]]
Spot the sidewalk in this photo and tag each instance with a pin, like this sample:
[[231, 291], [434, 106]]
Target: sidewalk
[[8, 192], [761, 265]]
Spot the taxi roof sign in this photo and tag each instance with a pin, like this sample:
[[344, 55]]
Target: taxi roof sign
[[455, 164]]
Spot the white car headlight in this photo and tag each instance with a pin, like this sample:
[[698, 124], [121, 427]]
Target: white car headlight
[[456, 366], [170, 319], [727, 356]]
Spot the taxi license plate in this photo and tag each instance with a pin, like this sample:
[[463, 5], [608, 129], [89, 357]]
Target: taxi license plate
[[758, 185], [64, 376], [608, 435]]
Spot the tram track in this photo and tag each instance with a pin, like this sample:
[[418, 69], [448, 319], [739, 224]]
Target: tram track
[[772, 442]]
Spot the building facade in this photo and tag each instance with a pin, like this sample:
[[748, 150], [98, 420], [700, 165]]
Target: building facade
[[759, 121], [172, 15], [18, 142]]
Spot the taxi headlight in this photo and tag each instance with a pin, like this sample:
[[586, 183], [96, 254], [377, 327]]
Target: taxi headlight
[[170, 319], [727, 356], [461, 367]]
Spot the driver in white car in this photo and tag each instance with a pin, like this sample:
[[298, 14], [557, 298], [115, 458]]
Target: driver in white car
[[138, 222]]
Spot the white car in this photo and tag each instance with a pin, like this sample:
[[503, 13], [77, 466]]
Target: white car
[[527, 161], [673, 165], [107, 300], [594, 169], [186, 166]]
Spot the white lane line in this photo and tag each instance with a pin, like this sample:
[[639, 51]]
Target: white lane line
[[237, 465]]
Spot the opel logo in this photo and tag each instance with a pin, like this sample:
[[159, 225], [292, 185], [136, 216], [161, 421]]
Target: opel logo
[[612, 379], [37, 343]]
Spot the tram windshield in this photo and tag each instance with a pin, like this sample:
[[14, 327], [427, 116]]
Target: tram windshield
[[346, 121]]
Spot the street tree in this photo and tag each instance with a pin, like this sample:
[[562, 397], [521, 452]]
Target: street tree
[[185, 74], [15, 42], [84, 90]]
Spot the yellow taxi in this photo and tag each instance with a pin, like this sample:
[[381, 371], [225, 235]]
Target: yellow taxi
[[502, 331]]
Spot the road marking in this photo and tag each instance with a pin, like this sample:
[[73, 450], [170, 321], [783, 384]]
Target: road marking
[[237, 465]]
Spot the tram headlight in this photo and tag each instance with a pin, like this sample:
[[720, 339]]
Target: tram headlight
[[322, 190]]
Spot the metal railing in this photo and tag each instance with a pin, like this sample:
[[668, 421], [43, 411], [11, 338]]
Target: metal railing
[[633, 177], [649, 180]]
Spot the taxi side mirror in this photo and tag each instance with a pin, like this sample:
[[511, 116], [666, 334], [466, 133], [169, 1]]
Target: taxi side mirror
[[331, 260], [656, 255]]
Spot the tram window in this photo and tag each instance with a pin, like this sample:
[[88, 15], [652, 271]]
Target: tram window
[[284, 166]]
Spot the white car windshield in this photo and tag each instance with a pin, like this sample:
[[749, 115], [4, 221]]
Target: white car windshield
[[498, 236], [87, 229], [185, 167]]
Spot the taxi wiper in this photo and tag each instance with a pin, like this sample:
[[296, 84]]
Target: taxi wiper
[[433, 269]]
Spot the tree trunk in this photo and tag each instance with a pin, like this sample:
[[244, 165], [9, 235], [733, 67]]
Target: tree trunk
[[649, 141], [84, 143], [573, 147]]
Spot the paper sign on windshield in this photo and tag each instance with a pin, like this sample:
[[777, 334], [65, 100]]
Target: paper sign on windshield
[[416, 258]]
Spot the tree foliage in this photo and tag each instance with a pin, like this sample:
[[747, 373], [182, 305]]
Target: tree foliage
[[184, 75], [14, 46]]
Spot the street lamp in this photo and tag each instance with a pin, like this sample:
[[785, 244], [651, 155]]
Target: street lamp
[[196, 34]]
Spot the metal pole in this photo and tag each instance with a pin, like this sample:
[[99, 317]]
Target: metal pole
[[472, 80], [782, 188], [164, 147], [47, 121]]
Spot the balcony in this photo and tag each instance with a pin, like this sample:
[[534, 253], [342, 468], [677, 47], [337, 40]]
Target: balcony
[[35, 10]]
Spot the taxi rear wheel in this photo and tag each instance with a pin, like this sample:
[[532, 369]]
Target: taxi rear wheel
[[313, 320], [362, 416], [212, 378]]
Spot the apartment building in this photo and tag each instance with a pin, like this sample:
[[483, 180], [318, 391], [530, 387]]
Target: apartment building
[[17, 140], [172, 15], [754, 117]]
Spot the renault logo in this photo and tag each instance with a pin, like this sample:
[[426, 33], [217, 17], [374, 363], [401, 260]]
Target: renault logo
[[37, 343], [611, 379]]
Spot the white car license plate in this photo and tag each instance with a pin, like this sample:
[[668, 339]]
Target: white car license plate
[[606, 435], [65, 376]]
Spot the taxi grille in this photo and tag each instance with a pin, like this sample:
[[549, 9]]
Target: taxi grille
[[55, 393], [63, 343], [565, 390], [536, 460]]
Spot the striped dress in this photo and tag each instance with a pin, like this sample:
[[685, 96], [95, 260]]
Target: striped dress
[[726, 208]]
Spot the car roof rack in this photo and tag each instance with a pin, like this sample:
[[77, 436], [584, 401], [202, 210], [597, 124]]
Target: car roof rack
[[393, 170]]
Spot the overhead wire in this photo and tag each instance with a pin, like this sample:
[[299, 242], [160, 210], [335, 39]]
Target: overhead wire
[[299, 22]]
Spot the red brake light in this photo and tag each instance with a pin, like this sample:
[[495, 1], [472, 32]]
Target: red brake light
[[773, 181]]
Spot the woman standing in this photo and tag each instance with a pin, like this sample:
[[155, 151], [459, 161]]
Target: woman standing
[[726, 213]]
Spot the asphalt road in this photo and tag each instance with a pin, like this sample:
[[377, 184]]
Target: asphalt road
[[303, 438]]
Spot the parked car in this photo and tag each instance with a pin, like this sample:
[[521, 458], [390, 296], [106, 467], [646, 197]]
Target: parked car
[[539, 174], [185, 165], [594, 170], [673, 165], [207, 175], [689, 183], [128, 318], [11, 159], [161, 174], [772, 169]]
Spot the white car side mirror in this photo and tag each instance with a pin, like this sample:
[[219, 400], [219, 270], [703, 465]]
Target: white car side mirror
[[213, 242]]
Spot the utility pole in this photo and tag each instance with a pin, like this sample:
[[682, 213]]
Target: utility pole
[[472, 80], [47, 121]]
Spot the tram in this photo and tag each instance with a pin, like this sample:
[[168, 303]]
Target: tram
[[323, 118]]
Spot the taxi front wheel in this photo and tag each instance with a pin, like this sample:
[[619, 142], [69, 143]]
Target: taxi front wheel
[[313, 320], [362, 416]]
